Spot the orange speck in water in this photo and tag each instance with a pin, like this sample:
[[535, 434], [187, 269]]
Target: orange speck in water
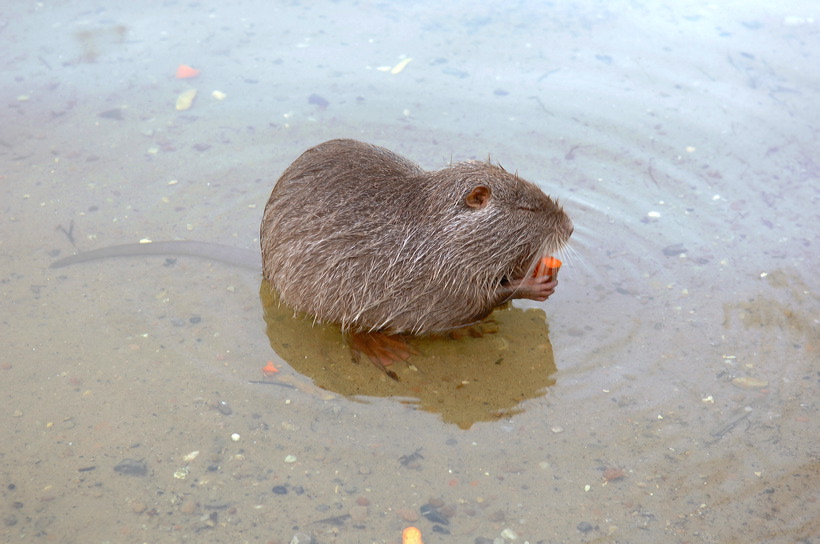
[[453, 482], [411, 535], [186, 72], [547, 266], [269, 369]]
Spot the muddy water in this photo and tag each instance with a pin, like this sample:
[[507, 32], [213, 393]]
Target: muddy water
[[675, 397]]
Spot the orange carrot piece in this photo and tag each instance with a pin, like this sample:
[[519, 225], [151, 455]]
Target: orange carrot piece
[[411, 535], [547, 266], [186, 72], [269, 369]]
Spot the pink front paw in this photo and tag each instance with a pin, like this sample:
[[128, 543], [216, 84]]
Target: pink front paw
[[540, 288]]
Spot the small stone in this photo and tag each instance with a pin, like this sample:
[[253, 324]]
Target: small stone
[[362, 501], [614, 473], [509, 534], [301, 538], [358, 514], [290, 459], [280, 490], [131, 467], [188, 507], [318, 100], [139, 507], [408, 514], [431, 512], [749, 383], [497, 517], [584, 527], [448, 511], [191, 456]]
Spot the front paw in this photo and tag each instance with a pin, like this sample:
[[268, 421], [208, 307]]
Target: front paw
[[539, 288]]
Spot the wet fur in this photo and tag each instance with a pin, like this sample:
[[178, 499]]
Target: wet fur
[[357, 235]]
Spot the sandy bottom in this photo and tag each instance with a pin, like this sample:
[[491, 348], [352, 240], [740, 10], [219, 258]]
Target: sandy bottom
[[666, 393]]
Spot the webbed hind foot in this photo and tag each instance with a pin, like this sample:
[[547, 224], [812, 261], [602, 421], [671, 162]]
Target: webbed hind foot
[[382, 349]]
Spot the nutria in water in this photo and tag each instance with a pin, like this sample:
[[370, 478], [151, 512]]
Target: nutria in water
[[357, 235]]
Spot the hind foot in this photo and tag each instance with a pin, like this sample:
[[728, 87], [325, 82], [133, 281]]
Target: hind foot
[[382, 349]]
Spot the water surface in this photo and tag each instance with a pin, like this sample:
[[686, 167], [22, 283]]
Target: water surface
[[680, 402]]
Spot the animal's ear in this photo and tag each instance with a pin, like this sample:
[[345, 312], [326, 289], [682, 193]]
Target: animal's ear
[[478, 197]]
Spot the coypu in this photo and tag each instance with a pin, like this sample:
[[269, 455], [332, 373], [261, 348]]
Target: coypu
[[357, 235]]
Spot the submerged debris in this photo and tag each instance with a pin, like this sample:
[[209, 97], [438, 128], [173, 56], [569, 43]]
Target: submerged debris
[[432, 513], [411, 460], [131, 467]]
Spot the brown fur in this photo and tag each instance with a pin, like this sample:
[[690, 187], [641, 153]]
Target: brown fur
[[357, 235]]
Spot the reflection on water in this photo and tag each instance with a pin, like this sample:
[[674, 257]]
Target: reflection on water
[[473, 376], [680, 138]]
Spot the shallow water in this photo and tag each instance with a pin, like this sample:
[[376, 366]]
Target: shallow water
[[681, 139]]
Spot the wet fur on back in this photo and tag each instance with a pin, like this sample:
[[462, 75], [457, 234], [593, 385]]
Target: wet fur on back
[[357, 235]]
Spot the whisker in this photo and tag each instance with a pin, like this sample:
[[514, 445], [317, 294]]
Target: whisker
[[570, 255]]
